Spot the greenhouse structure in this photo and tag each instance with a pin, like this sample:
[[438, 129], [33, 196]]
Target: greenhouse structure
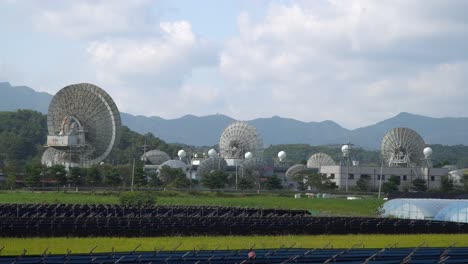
[[456, 211], [429, 209]]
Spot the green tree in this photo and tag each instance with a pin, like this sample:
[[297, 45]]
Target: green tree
[[33, 174], [58, 173], [140, 177], [419, 185], [299, 178], [245, 183], [216, 179], [180, 181], [93, 176], [76, 177], [446, 184], [391, 185], [363, 183], [154, 180], [125, 172], [167, 175], [320, 182], [112, 178], [301, 186], [273, 183], [11, 181]]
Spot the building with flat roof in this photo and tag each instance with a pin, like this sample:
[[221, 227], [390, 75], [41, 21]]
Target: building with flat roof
[[339, 173]]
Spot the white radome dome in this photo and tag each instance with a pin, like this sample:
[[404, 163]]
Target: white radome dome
[[212, 153], [182, 154], [281, 155], [248, 155], [427, 152], [345, 149]]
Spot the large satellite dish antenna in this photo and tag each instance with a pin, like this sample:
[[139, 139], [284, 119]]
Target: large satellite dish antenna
[[295, 170], [84, 122], [238, 139], [155, 157], [402, 147], [254, 165], [211, 164], [318, 160]]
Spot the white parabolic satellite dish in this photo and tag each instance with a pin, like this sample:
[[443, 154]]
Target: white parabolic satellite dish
[[318, 160], [211, 164], [83, 122], [402, 147], [238, 139]]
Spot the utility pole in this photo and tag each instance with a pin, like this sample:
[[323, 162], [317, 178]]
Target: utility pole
[[381, 176], [133, 175]]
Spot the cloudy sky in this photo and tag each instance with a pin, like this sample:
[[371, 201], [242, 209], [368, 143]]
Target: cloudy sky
[[354, 62]]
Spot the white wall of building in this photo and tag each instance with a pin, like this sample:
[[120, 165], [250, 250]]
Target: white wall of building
[[338, 173]]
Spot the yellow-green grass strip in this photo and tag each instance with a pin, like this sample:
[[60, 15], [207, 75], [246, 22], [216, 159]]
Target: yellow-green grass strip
[[15, 246]]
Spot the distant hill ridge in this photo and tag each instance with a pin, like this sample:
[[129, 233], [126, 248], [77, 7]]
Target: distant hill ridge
[[206, 130]]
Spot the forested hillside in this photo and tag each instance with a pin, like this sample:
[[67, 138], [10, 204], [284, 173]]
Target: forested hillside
[[23, 134]]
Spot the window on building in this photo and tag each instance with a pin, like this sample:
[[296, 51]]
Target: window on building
[[365, 176], [383, 177], [432, 178], [332, 176], [351, 176], [404, 177]]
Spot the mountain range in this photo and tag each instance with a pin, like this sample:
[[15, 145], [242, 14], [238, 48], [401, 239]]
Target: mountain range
[[206, 130]]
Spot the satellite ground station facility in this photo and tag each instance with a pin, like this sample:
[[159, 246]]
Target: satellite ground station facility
[[403, 151], [404, 155], [84, 125]]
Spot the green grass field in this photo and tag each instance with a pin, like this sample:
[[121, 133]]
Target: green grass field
[[364, 207], [15, 246]]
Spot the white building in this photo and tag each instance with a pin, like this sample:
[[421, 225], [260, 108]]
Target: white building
[[338, 173]]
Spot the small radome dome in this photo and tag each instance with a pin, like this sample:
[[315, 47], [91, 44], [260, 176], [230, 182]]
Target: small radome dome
[[281, 155], [427, 152], [182, 154], [248, 155], [345, 149], [212, 153]]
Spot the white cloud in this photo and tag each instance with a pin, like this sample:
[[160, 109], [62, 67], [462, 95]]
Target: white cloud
[[78, 19], [169, 56], [154, 67], [355, 62]]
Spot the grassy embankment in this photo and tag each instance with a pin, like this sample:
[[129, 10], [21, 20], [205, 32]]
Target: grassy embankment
[[364, 207], [15, 246]]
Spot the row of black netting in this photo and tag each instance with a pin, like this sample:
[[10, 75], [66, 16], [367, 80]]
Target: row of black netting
[[422, 255], [115, 210], [174, 226], [127, 221]]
